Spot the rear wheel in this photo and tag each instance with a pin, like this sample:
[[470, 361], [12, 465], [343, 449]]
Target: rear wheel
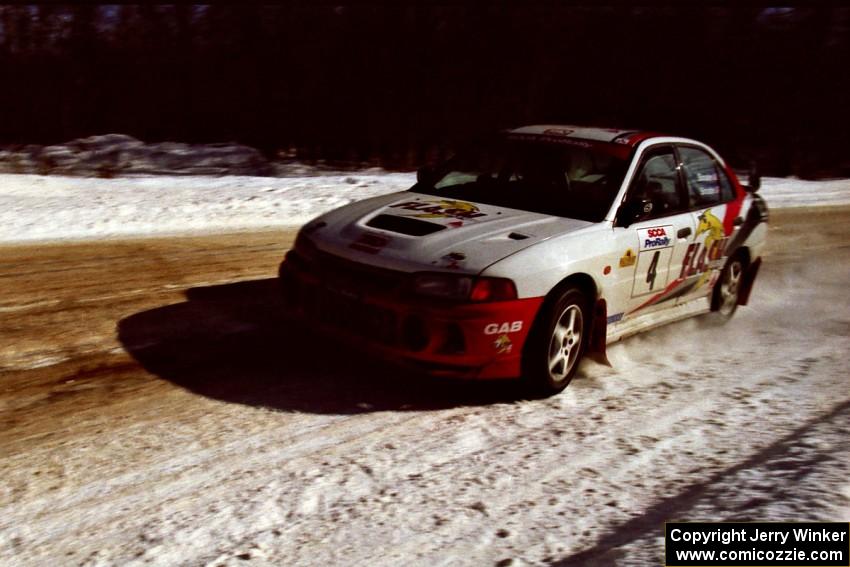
[[557, 343], [728, 288]]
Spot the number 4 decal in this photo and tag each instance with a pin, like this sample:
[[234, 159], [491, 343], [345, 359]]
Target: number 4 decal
[[653, 269]]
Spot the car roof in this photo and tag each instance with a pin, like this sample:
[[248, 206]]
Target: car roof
[[554, 132]]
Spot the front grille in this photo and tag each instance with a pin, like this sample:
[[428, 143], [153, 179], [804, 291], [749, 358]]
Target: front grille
[[350, 277], [337, 298], [348, 313]]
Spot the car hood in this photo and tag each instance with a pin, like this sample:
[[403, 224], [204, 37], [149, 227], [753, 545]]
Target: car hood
[[411, 232]]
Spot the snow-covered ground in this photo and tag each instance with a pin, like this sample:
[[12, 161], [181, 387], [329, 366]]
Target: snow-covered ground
[[35, 207], [202, 432]]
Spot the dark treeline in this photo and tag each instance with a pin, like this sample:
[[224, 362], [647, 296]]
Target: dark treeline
[[392, 83]]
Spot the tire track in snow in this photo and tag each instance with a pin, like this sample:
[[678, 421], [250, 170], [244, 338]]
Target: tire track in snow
[[646, 525]]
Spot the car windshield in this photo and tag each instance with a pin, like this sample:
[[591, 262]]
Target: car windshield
[[574, 179]]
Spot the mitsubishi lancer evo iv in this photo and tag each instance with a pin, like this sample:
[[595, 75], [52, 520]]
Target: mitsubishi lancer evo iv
[[529, 251]]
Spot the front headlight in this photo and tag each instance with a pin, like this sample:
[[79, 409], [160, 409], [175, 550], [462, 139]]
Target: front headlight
[[459, 287], [448, 286]]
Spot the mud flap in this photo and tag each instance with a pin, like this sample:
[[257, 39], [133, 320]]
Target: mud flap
[[747, 283], [598, 334]]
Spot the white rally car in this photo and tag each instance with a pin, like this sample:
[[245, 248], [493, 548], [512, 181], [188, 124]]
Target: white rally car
[[530, 250]]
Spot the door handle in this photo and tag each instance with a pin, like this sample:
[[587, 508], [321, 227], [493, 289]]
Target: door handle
[[684, 232], [738, 221]]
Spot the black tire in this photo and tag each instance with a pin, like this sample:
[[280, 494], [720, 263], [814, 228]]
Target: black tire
[[557, 343], [724, 300]]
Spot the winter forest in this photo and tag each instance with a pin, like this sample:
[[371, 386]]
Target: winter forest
[[397, 85]]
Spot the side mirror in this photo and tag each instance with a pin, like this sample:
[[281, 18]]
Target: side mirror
[[633, 211], [754, 181]]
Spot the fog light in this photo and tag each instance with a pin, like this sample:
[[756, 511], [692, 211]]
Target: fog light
[[454, 342]]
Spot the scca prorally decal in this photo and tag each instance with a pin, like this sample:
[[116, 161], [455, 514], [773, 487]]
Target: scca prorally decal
[[503, 344], [503, 328], [655, 237], [441, 209]]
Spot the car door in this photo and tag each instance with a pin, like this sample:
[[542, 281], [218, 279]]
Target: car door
[[653, 248], [710, 194]]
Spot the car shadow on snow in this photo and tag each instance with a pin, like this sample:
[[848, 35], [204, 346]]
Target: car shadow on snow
[[230, 342]]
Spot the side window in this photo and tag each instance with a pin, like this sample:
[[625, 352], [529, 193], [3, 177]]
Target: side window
[[658, 181], [727, 192], [704, 178]]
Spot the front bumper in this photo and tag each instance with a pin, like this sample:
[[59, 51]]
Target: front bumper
[[471, 340]]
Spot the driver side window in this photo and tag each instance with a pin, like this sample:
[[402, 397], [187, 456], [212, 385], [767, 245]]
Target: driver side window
[[658, 181]]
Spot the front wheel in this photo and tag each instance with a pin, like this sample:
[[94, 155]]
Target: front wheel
[[557, 343]]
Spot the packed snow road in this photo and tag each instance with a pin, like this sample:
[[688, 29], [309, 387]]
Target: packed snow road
[[155, 410]]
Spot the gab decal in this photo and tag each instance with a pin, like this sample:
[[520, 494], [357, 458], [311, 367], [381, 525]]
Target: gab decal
[[503, 328]]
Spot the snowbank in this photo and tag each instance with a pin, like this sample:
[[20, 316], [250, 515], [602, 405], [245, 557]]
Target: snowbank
[[110, 155], [36, 207], [781, 193]]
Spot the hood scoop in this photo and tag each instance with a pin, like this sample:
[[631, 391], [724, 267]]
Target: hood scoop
[[404, 225]]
